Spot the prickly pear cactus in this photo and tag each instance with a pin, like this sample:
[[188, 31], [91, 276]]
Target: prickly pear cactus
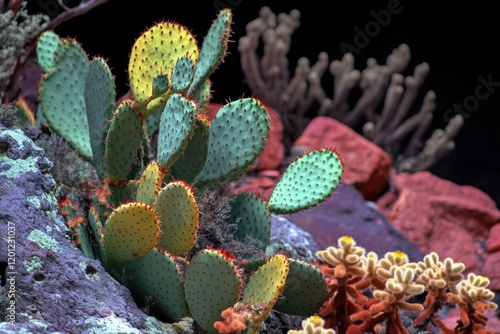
[[212, 285], [130, 231], [122, 141], [192, 160], [99, 97], [265, 285], [62, 95], [308, 181], [212, 51], [46, 50], [179, 217], [157, 51], [150, 183], [252, 217], [236, 138], [157, 275], [176, 126], [305, 290]]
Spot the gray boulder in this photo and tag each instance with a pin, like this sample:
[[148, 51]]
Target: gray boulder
[[48, 285]]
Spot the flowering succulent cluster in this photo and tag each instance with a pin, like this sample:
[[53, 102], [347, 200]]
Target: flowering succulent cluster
[[155, 152], [367, 294]]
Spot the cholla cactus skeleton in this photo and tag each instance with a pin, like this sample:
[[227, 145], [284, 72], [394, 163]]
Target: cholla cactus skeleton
[[382, 85]]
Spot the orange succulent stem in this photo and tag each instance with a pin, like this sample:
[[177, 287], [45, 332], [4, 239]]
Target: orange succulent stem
[[434, 301], [336, 311]]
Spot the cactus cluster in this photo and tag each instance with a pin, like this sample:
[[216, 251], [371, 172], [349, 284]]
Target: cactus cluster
[[155, 152]]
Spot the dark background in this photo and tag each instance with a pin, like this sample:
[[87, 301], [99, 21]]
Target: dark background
[[459, 42]]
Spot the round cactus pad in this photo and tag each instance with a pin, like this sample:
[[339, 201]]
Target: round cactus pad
[[130, 231], [157, 51], [308, 181]]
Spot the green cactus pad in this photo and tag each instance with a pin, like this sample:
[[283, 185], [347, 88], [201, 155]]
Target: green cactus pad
[[305, 290], [265, 285], [308, 181], [213, 50], [62, 97], [161, 83], [212, 284], [131, 231], [150, 183], [183, 74], [97, 231], [252, 217], [153, 121], [192, 160], [45, 50], [99, 102], [157, 275], [176, 126], [157, 51], [78, 224], [179, 217], [122, 141], [237, 136]]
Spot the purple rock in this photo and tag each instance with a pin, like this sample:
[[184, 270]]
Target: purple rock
[[347, 213]]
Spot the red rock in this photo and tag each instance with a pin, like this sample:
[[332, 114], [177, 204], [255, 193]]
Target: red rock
[[491, 270], [366, 165], [441, 216], [493, 242], [274, 150]]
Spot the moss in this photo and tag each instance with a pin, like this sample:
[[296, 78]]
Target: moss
[[34, 200], [34, 263], [19, 166], [89, 274], [109, 325], [43, 240], [154, 326]]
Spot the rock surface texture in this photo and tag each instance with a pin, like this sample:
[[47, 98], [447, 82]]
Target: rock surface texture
[[57, 288]]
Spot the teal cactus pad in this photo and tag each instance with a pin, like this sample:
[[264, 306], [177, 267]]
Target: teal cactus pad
[[161, 84], [192, 160], [179, 217], [62, 97], [45, 49], [131, 231], [99, 102], [153, 121], [237, 136], [305, 290], [176, 126], [212, 284], [183, 74], [213, 50], [252, 217], [308, 181], [157, 275], [122, 141], [204, 96]]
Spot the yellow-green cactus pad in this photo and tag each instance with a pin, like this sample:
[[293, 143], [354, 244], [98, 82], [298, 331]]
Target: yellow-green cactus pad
[[157, 51], [179, 217], [150, 183], [265, 285], [131, 231]]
